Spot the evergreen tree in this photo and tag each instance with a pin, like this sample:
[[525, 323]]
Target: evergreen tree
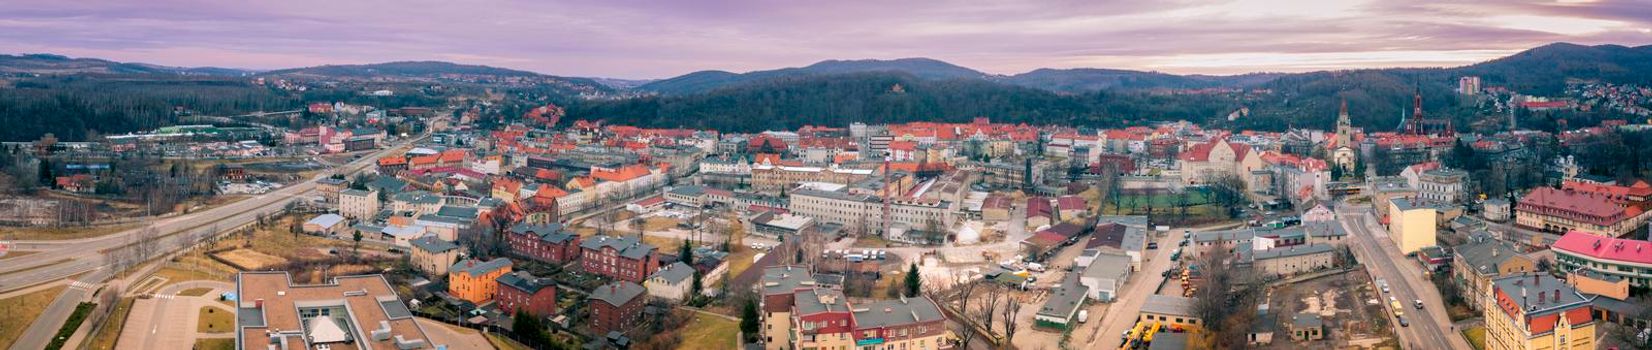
[[748, 318], [686, 253], [526, 326], [46, 173], [912, 282]]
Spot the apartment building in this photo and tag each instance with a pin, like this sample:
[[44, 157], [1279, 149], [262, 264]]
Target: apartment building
[[624, 258], [1629, 259], [1537, 311], [358, 204], [474, 280], [1557, 210]]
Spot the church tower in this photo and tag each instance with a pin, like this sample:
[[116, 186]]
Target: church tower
[[1345, 129], [1343, 155]]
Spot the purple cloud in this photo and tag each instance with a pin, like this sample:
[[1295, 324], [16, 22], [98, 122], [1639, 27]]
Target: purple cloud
[[655, 39]]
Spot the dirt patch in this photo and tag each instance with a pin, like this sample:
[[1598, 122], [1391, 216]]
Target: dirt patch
[[248, 259]]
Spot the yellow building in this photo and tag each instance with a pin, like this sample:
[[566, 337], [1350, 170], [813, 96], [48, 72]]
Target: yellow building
[[1537, 311], [473, 280], [1410, 226]]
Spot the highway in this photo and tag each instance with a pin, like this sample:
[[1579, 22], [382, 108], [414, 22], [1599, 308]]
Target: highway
[[64, 259], [1430, 328]]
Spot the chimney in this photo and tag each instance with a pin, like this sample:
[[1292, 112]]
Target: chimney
[[258, 304], [1536, 281], [1557, 295], [1541, 296]]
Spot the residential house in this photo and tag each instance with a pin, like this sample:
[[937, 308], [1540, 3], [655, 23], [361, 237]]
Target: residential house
[[624, 258], [520, 291], [616, 307], [673, 282], [433, 255], [474, 280]]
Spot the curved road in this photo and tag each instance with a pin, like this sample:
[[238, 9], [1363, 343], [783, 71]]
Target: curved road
[[63, 259]]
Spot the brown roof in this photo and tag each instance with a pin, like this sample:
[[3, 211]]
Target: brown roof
[[276, 298]]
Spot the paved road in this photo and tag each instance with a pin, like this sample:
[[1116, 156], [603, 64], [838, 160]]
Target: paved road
[[1430, 327], [1121, 314], [90, 255]]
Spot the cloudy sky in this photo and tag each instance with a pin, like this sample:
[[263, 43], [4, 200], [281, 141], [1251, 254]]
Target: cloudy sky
[[657, 39]]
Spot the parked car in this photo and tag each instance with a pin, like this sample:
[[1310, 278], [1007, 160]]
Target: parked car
[[1153, 245], [1419, 303]]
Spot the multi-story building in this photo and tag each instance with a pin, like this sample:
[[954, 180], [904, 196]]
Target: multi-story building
[[548, 243], [358, 204], [1629, 259], [473, 280], [1411, 226], [1441, 185], [1170, 310], [778, 288], [1556, 210], [905, 323], [1208, 159], [1537, 311], [432, 255], [624, 258], [616, 306], [772, 179], [347, 312], [823, 320], [522, 292], [1482, 259], [1291, 260]]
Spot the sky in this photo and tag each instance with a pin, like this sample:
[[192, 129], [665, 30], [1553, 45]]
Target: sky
[[635, 39]]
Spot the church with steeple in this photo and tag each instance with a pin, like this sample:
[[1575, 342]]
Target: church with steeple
[[1343, 152]]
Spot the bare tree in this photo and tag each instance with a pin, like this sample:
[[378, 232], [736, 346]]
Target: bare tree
[[1010, 321], [989, 304]]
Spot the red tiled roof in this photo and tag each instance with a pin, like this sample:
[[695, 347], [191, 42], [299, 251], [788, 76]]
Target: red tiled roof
[[392, 160], [1045, 239], [425, 160], [1201, 152], [1595, 208], [624, 173], [651, 201], [1605, 248], [453, 155], [1618, 193]]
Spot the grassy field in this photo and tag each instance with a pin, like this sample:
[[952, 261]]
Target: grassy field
[[106, 336], [709, 332], [502, 343], [740, 260], [173, 275], [215, 344], [251, 259], [195, 292], [50, 233], [1476, 337], [215, 320], [659, 223], [21, 310]]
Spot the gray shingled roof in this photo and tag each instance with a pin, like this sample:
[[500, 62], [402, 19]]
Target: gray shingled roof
[[617, 293], [784, 279], [524, 281], [1065, 299], [433, 244], [1306, 320], [1483, 254], [1291, 251], [810, 301], [1168, 305], [1539, 291], [628, 247], [896, 312], [475, 267], [674, 273]]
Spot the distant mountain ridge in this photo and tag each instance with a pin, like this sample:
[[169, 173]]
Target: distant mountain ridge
[[402, 68], [58, 64], [704, 81]]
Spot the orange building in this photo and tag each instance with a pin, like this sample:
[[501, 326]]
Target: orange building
[[473, 280]]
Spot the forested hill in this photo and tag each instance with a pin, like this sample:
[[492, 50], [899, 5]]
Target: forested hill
[[46, 64], [880, 97], [706, 81]]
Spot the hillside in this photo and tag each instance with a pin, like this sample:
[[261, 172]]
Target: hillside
[[47, 64], [705, 81], [881, 97], [402, 68], [1545, 69], [1093, 79]]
